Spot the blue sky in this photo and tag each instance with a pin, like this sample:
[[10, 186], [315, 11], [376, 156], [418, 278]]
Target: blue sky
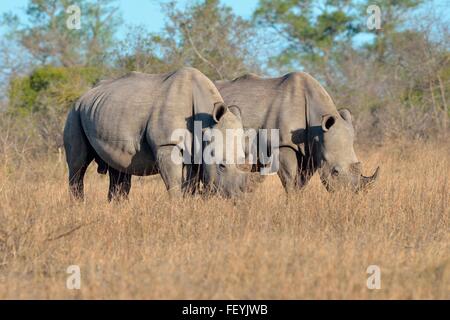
[[148, 12], [141, 12]]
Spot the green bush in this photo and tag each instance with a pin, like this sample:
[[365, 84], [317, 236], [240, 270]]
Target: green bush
[[40, 101], [50, 87]]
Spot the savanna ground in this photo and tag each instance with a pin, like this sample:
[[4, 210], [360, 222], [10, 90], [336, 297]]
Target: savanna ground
[[263, 246]]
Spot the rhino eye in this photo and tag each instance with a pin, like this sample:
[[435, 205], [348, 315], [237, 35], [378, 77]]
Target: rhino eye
[[222, 166], [334, 172]]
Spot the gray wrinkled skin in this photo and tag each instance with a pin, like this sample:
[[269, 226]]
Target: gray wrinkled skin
[[314, 135], [225, 175], [126, 125]]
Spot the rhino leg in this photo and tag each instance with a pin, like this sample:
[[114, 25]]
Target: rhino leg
[[288, 168], [78, 154], [171, 173], [76, 184], [191, 178], [305, 173], [119, 184]]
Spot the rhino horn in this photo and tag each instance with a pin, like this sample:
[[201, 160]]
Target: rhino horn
[[369, 181]]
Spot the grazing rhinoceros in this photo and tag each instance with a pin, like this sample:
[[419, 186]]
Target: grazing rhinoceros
[[313, 133], [127, 126]]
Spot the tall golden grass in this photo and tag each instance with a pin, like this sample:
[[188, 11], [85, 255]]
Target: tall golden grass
[[265, 245]]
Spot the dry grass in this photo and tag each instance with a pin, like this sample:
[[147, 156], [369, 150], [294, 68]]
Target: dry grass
[[263, 246]]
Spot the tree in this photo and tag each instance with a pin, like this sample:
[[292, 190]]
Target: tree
[[394, 14], [139, 51], [46, 36], [396, 83], [210, 37], [314, 31], [205, 35], [45, 96]]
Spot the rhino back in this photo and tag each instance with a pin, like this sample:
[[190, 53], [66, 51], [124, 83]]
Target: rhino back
[[127, 119], [278, 103]]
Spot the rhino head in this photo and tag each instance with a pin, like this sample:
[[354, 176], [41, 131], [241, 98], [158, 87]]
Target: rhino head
[[340, 168], [223, 174]]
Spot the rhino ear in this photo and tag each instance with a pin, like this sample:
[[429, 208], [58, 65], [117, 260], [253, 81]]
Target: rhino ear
[[346, 115], [219, 110], [235, 110], [328, 121]]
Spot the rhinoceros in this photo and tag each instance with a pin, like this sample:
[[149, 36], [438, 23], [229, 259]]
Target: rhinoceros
[[313, 134], [126, 125]]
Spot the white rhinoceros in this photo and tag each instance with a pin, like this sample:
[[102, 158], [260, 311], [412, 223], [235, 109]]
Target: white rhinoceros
[[127, 126], [313, 134]]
